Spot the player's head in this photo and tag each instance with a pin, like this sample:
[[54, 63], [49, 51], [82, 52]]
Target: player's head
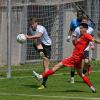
[[34, 22], [84, 19], [83, 28], [79, 14]]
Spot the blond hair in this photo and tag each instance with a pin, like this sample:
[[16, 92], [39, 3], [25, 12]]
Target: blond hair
[[84, 17]]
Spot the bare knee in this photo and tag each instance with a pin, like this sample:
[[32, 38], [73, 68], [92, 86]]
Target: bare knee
[[57, 66]]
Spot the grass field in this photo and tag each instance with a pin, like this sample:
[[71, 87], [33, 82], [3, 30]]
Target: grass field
[[22, 86]]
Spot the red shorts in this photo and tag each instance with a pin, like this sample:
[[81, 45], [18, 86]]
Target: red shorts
[[72, 62]]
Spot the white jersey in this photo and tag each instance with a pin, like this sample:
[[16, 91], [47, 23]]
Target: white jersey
[[45, 39], [77, 33]]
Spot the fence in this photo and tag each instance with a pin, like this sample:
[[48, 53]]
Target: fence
[[55, 15]]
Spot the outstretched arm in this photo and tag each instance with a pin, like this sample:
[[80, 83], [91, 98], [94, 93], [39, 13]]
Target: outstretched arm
[[96, 41], [36, 36]]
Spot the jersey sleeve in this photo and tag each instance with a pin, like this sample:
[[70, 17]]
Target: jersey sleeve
[[72, 24], [88, 37], [76, 33], [41, 30], [91, 31]]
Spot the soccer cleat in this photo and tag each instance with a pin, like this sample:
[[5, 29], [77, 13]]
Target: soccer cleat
[[89, 70], [72, 80], [41, 87], [37, 76], [93, 89]]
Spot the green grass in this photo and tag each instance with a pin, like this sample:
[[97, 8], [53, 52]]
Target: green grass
[[22, 86]]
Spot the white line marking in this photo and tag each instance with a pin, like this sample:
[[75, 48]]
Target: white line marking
[[44, 96], [32, 76]]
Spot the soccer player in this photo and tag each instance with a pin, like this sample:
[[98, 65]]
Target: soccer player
[[75, 60], [75, 23], [42, 44], [75, 35]]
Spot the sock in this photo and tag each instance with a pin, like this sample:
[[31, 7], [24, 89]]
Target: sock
[[47, 73], [87, 81], [72, 72], [84, 69], [44, 81]]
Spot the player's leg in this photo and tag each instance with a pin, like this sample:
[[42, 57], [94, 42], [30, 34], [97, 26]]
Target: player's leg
[[65, 62], [45, 53], [87, 67], [86, 80], [49, 72], [46, 58], [38, 47], [72, 70], [72, 73]]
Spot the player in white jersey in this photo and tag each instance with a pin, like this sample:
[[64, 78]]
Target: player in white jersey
[[42, 44], [77, 35]]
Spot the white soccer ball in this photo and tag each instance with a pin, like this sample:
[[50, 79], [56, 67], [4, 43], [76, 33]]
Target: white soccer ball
[[21, 38]]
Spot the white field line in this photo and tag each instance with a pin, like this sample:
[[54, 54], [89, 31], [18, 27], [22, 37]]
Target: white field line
[[32, 76], [44, 96]]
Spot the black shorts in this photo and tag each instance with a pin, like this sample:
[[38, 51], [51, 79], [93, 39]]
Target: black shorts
[[86, 54], [47, 50]]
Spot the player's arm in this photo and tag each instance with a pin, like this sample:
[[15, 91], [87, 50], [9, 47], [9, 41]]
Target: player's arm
[[74, 40], [69, 35], [75, 35], [96, 41], [36, 36], [91, 44], [70, 31]]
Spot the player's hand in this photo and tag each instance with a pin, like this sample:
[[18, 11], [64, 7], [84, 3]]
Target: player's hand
[[68, 39], [28, 37]]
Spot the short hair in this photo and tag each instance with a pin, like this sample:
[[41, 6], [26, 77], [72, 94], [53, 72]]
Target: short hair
[[85, 17], [84, 25], [79, 12], [33, 19]]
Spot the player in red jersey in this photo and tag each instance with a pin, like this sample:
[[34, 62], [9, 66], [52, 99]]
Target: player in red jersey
[[75, 60]]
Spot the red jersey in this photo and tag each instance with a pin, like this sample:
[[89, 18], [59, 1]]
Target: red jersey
[[76, 58], [81, 44]]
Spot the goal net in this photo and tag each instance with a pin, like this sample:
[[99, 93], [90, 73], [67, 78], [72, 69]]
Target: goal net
[[55, 15]]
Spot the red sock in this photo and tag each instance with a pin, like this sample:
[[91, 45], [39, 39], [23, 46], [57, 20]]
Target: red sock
[[47, 73], [87, 81]]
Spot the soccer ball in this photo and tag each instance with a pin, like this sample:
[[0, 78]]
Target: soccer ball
[[21, 38]]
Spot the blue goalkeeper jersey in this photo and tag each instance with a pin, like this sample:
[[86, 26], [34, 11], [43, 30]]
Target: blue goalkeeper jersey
[[74, 23]]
